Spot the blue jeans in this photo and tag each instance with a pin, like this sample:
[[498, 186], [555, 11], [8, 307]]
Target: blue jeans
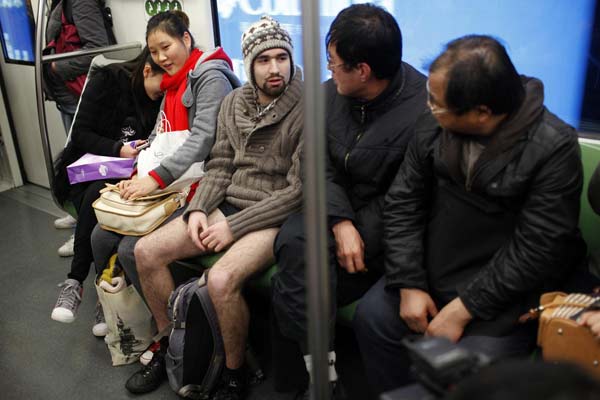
[[380, 330], [67, 114]]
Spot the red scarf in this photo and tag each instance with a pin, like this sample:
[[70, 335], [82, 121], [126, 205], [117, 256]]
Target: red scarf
[[174, 87]]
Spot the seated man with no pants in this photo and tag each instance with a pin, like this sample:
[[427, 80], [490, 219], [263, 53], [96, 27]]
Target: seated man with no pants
[[252, 184]]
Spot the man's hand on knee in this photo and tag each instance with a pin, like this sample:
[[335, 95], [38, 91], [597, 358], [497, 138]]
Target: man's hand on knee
[[197, 223], [217, 236]]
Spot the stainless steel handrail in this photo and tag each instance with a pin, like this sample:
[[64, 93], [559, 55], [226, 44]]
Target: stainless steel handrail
[[317, 283], [90, 52], [39, 60]]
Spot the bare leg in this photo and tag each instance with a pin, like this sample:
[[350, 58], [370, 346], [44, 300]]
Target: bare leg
[[154, 253], [247, 256]]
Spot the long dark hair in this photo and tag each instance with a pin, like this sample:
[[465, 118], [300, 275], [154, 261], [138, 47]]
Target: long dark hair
[[146, 108]]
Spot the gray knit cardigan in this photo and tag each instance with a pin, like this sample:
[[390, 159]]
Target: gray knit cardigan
[[255, 166]]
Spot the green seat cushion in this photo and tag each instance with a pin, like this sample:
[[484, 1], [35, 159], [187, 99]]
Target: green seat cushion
[[589, 222], [262, 282]]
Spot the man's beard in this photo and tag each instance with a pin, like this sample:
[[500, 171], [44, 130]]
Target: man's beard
[[273, 91]]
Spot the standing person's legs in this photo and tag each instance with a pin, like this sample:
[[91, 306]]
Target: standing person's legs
[[67, 120], [379, 331], [67, 115]]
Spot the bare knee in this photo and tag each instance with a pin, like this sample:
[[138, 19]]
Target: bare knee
[[222, 284], [145, 256]]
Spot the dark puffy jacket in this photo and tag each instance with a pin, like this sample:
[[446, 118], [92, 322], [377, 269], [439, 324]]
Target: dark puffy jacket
[[497, 241], [366, 144]]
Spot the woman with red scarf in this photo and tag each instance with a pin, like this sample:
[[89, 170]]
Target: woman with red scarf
[[194, 85]]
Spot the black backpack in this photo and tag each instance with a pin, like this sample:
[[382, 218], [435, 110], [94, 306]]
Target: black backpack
[[195, 356]]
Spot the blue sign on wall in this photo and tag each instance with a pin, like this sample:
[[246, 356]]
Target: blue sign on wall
[[548, 39], [16, 23]]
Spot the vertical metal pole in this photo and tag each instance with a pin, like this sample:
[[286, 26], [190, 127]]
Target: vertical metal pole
[[315, 203], [39, 43], [214, 11]]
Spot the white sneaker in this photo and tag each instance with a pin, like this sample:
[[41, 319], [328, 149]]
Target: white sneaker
[[100, 329], [68, 301], [65, 222], [66, 250]]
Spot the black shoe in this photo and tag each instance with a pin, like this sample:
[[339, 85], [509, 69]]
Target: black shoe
[[233, 389], [149, 377]]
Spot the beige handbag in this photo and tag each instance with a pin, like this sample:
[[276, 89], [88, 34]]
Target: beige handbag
[[135, 217], [560, 336]]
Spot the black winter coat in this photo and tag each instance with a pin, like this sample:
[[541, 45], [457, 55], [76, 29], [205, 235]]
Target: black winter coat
[[498, 241], [110, 113], [366, 144]]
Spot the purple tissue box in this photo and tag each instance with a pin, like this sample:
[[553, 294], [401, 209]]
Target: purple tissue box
[[91, 167]]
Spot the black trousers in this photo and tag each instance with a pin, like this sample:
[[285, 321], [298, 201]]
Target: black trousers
[[289, 283], [86, 221], [379, 331]]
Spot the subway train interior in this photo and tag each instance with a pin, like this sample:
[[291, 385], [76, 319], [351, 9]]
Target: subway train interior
[[40, 358]]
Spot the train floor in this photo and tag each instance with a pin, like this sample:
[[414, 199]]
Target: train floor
[[44, 359]]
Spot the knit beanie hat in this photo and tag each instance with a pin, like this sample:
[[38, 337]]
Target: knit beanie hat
[[264, 35]]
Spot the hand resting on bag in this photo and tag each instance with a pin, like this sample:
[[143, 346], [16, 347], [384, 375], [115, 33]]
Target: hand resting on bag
[[137, 187], [591, 319]]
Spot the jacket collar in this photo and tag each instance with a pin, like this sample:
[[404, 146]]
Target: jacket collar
[[364, 111], [512, 130]]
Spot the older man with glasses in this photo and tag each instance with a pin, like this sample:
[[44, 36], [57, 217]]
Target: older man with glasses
[[373, 101], [481, 218]]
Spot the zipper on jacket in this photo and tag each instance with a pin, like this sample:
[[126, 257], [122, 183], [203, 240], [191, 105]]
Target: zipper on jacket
[[363, 115]]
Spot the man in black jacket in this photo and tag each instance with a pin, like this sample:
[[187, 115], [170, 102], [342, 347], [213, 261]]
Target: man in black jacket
[[373, 102], [480, 219]]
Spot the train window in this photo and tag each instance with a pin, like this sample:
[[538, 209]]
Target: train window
[[549, 40], [16, 31]]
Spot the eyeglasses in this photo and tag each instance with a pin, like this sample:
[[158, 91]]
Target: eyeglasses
[[435, 110], [332, 67]]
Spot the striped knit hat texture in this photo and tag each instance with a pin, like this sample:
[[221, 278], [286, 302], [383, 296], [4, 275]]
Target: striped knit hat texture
[[265, 34]]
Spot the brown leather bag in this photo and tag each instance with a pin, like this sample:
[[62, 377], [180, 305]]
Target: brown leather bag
[[561, 337]]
